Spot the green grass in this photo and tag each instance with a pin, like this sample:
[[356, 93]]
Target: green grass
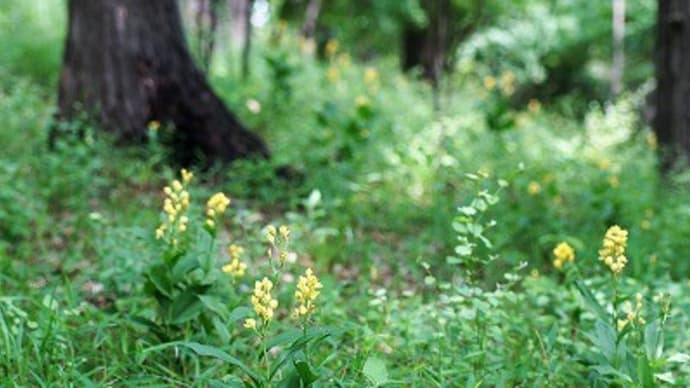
[[376, 215]]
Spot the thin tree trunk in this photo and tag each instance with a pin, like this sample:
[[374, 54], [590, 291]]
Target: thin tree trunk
[[310, 19], [617, 67], [206, 25], [246, 48], [126, 63], [672, 119]]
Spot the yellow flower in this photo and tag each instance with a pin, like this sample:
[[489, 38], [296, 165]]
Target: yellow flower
[[361, 101], [160, 232], [645, 225], [633, 315], [264, 305], [533, 188], [612, 252], [508, 82], [563, 253], [614, 181], [215, 206], [308, 287], [186, 176], [652, 140], [154, 125], [175, 205], [284, 232], [604, 164], [333, 74], [371, 75], [534, 105], [235, 268], [235, 251], [218, 202], [271, 234], [489, 82], [250, 323], [331, 47]]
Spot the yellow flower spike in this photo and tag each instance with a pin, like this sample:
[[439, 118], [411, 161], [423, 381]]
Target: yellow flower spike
[[186, 175], [271, 234], [235, 269], [284, 232], [235, 251], [176, 186], [613, 249], [218, 203], [308, 287], [264, 305], [563, 253], [160, 231]]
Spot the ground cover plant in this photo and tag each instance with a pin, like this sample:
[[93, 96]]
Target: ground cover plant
[[473, 233]]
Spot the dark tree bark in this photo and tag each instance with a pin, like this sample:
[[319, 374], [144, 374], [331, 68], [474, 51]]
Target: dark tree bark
[[311, 17], [426, 47], [126, 63], [672, 119]]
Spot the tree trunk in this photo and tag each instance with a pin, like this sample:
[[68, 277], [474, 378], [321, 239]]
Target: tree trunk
[[241, 31], [310, 18], [127, 64], [206, 25], [672, 119], [617, 67]]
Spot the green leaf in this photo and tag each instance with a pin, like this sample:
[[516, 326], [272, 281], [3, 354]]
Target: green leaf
[[305, 372], [214, 304], [211, 351], [644, 372], [314, 335], [375, 371], [605, 338], [185, 307], [591, 301], [239, 313], [185, 265], [679, 358], [463, 250], [607, 370], [221, 329], [652, 339], [158, 275], [467, 210], [452, 260]]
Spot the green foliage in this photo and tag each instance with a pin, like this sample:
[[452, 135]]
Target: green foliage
[[431, 275]]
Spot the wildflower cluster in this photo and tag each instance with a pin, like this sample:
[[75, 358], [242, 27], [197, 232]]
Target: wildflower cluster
[[175, 206], [215, 207], [563, 253], [612, 252], [262, 301], [235, 268], [308, 287], [633, 314], [278, 240]]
